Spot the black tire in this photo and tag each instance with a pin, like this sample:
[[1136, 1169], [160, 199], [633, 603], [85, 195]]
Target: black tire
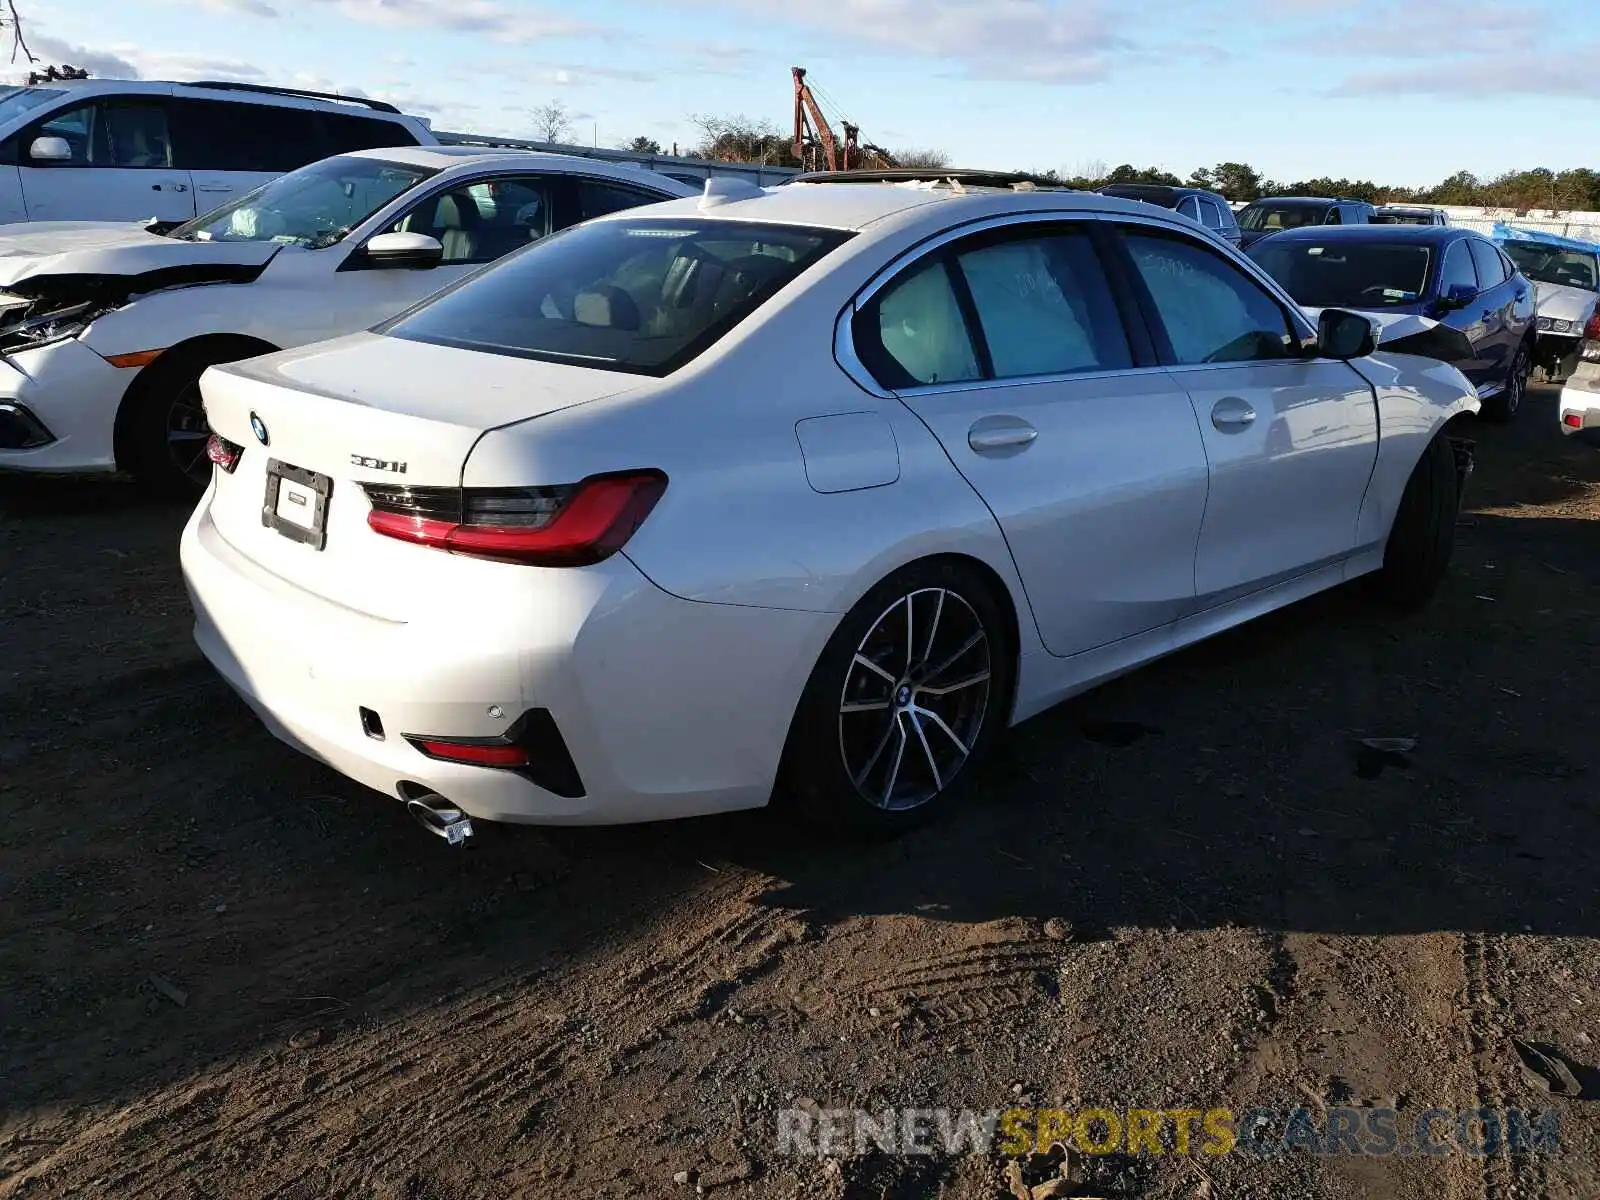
[[163, 426], [1503, 408], [1424, 531], [951, 604]]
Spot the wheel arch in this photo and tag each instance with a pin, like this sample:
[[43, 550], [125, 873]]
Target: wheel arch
[[208, 348]]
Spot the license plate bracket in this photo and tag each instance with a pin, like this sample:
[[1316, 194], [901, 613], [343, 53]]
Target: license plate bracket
[[296, 503]]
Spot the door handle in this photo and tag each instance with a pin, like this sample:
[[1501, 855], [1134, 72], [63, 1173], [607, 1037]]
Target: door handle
[[213, 187], [171, 187], [1000, 433], [1232, 414]]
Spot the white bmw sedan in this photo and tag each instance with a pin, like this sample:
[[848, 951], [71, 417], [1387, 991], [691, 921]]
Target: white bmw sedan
[[797, 495]]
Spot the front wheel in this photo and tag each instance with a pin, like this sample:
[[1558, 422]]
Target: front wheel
[[904, 702], [166, 429], [1503, 407], [1424, 531]]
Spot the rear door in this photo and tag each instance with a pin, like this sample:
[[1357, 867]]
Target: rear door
[[1457, 269], [1291, 442], [231, 148], [1497, 306], [1011, 347], [121, 168]]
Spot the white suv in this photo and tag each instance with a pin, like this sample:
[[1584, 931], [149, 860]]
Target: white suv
[[106, 328], [119, 150]]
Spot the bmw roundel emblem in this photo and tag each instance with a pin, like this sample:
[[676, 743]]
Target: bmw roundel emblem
[[259, 428]]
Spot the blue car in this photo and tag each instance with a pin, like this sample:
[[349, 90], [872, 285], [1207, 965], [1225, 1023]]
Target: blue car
[[1454, 276]]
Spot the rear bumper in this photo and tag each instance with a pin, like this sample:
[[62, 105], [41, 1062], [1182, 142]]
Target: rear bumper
[[1579, 406], [58, 407], [669, 708]]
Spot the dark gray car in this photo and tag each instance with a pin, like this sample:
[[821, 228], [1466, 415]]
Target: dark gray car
[[1207, 208], [1267, 216]]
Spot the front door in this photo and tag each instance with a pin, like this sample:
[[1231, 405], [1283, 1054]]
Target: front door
[[1291, 442], [119, 165], [1456, 269], [1010, 347]]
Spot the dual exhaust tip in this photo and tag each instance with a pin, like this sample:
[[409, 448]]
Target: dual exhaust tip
[[440, 818]]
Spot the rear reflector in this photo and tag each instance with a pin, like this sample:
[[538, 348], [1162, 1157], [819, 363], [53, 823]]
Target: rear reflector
[[547, 526], [477, 754], [1572, 420], [223, 452]]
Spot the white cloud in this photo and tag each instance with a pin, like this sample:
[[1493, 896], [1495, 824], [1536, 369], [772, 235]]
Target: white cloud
[[484, 17], [130, 62], [244, 8], [1044, 41]]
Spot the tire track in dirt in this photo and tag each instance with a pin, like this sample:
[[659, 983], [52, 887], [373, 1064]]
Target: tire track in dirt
[[1483, 960], [493, 1060]]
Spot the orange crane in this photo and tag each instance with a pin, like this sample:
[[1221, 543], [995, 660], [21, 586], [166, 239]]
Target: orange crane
[[814, 142]]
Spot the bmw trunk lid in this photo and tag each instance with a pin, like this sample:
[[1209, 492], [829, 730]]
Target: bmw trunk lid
[[317, 423]]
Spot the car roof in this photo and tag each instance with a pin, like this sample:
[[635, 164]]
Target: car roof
[[1159, 193], [856, 206], [225, 93], [444, 158], [1427, 234]]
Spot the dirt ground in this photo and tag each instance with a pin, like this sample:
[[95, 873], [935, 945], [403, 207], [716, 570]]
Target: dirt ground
[[227, 972]]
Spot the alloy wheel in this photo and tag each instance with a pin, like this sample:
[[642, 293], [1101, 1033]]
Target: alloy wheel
[[915, 698], [187, 431]]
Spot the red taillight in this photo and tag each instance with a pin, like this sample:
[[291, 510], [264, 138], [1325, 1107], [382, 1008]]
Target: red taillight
[[477, 754], [1591, 331], [223, 452], [547, 526], [1573, 420]]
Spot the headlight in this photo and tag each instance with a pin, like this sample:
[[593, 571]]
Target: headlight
[[46, 328], [1543, 323], [1558, 326]]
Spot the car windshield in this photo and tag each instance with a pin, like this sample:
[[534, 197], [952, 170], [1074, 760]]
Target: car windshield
[[625, 295], [1341, 274], [16, 101], [1257, 218], [1550, 264], [315, 206]]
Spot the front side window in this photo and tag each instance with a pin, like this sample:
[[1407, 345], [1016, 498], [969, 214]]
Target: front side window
[[1211, 215], [126, 134], [1044, 307], [480, 222], [1339, 273], [1212, 311], [1457, 270], [1190, 208], [644, 296], [1334, 217], [315, 206]]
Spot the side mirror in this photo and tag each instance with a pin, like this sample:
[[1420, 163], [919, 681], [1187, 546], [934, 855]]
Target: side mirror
[[1457, 295], [1345, 335], [403, 250], [50, 149]]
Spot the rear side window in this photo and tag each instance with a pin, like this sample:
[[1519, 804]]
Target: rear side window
[[1212, 311], [1491, 267], [1044, 307], [1334, 217], [347, 133], [622, 295], [1211, 215], [597, 199], [218, 135], [914, 332]]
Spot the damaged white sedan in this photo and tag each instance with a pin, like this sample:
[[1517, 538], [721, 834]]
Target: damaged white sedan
[[105, 328], [806, 493]]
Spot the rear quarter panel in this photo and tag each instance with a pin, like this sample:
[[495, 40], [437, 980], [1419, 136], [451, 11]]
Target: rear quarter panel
[[1416, 398]]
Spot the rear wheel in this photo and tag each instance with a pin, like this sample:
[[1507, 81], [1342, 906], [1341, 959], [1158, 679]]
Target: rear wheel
[[1503, 407], [165, 429], [905, 701], [1424, 531]]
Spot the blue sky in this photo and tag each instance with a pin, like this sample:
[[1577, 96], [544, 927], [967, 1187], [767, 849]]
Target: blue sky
[[1401, 91]]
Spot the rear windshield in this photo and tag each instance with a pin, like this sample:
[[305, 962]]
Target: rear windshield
[[1259, 217], [1339, 274], [627, 295]]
